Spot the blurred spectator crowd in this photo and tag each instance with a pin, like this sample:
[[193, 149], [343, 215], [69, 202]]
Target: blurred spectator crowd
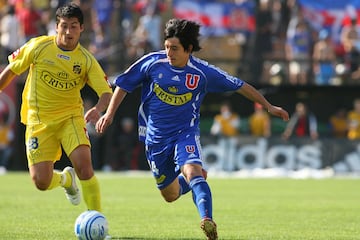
[[283, 48], [291, 49], [112, 27]]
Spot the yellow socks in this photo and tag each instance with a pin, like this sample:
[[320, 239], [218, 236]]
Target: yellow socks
[[91, 193], [57, 180], [90, 188]]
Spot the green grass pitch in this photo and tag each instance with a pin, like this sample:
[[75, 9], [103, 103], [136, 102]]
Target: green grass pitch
[[244, 209]]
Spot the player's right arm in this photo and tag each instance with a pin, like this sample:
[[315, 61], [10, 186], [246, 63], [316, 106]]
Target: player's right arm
[[19, 61], [254, 95], [105, 121], [6, 76]]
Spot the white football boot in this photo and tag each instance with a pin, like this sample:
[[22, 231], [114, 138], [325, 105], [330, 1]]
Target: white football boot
[[72, 192]]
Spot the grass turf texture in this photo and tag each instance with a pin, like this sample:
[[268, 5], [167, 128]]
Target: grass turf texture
[[244, 209]]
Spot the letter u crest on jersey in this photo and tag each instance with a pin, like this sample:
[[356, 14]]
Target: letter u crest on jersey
[[190, 148], [192, 81]]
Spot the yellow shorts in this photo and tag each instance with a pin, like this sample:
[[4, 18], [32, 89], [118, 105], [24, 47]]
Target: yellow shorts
[[44, 141]]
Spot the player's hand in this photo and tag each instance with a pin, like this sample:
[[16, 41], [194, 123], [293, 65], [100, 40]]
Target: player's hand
[[103, 123], [279, 112], [92, 115]]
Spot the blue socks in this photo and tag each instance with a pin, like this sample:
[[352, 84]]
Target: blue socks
[[184, 186], [202, 196]]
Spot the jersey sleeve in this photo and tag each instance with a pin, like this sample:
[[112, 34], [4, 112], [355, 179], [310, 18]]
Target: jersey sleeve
[[135, 74], [220, 81], [97, 79], [21, 59]]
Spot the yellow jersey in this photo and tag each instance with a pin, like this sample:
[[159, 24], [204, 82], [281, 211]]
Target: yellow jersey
[[339, 126], [55, 78], [6, 135], [259, 124], [354, 125], [228, 125]]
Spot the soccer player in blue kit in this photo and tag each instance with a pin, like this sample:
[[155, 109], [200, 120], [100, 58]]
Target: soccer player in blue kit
[[174, 84]]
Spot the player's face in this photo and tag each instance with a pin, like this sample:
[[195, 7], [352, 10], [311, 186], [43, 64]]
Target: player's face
[[68, 33], [176, 53]]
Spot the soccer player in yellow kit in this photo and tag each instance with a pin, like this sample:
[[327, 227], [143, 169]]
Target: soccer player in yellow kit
[[353, 118], [52, 107]]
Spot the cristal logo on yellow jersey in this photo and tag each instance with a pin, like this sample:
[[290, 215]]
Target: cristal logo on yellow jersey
[[59, 84], [171, 99], [62, 74]]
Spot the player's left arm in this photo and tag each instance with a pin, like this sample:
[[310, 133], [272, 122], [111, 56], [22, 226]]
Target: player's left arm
[[254, 95], [106, 120], [6, 76], [94, 113], [98, 81]]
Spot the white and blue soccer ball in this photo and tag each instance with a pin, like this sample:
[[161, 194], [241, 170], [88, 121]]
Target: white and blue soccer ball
[[91, 225]]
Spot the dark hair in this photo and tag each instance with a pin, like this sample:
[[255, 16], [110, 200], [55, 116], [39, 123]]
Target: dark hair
[[353, 21], [10, 10], [186, 31], [68, 11]]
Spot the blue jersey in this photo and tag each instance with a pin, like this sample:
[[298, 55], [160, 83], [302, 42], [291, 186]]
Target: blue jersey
[[171, 96]]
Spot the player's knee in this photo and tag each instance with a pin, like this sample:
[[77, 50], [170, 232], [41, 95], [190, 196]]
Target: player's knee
[[40, 184], [170, 197], [171, 192], [85, 173]]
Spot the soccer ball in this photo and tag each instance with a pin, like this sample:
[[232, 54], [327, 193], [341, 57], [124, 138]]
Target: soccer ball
[[91, 225]]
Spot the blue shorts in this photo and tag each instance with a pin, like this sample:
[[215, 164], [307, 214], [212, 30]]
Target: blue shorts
[[166, 160]]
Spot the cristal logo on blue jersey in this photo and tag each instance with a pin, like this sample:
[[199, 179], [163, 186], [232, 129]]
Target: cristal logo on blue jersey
[[172, 99], [173, 89]]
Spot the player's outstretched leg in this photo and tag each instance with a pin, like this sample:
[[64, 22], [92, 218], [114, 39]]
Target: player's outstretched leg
[[203, 201], [209, 228], [71, 189]]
